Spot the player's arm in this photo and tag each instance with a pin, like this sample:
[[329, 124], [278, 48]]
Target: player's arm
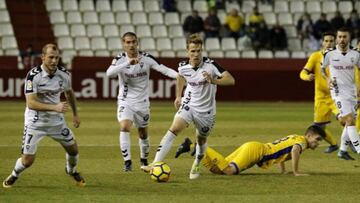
[[161, 68], [226, 79], [32, 102], [71, 99], [180, 84], [295, 157], [323, 66], [115, 67], [282, 168], [307, 75]]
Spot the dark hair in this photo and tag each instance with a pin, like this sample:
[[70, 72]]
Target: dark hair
[[327, 34], [128, 34], [344, 29], [316, 129]]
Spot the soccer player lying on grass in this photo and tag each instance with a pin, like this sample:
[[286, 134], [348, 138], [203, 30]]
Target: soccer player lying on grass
[[262, 154]]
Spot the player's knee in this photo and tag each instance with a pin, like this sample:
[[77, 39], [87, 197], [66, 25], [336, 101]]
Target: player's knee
[[229, 170], [28, 160]]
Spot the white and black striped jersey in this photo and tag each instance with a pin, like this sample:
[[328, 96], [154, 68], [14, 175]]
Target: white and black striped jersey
[[199, 94], [48, 89], [342, 70], [134, 79]]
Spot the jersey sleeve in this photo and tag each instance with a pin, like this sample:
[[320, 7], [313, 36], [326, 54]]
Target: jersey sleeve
[[218, 70], [117, 64], [31, 81], [154, 64]]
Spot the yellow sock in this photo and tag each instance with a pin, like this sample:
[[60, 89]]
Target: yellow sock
[[213, 158], [329, 137]]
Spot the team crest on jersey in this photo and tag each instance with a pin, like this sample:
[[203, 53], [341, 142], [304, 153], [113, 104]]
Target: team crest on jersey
[[205, 129], [352, 59], [60, 83], [146, 117], [29, 85], [141, 64], [65, 132]]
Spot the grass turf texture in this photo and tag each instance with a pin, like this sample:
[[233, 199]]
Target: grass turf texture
[[101, 163]]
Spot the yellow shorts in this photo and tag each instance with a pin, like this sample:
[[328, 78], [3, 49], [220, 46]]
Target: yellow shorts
[[247, 155], [323, 109]]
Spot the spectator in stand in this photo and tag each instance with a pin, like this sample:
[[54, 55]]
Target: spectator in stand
[[304, 26], [353, 23], [193, 24], [212, 24], [256, 19], [169, 5], [234, 23], [278, 38], [261, 38], [218, 4], [338, 21], [28, 57], [321, 26]]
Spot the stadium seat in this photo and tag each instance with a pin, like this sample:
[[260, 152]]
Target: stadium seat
[[281, 6], [6, 29], [172, 18], [11, 52], [294, 44], [229, 5], [8, 43], [290, 31], [167, 54], [82, 43], [156, 18], [4, 16], [114, 43], [143, 31], [61, 30], [183, 17], [244, 43], [175, 31], [200, 5], [298, 54], [102, 5], [313, 7], [102, 53], [212, 44], [282, 54], [216, 54], [135, 5], [70, 5], [248, 54], [65, 43], [228, 43], [1, 52], [73, 17], [184, 6], [285, 19], [232, 54], [163, 44], [77, 30], [265, 54], [221, 15], [297, 7], [270, 18], [247, 6], [264, 7], [357, 6], [86, 5], [87, 53], [179, 44], [329, 7], [159, 31], [119, 5], [90, 17], [153, 53], [3, 5], [98, 43], [181, 54], [51, 5], [353, 42], [106, 18], [126, 28], [345, 6], [67, 56], [94, 31], [147, 44], [315, 16], [151, 6], [123, 18], [111, 31], [57, 17], [139, 18]]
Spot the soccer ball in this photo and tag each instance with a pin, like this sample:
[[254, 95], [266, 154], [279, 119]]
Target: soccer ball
[[160, 172]]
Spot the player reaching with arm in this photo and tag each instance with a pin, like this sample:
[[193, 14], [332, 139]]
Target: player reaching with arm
[[201, 76], [262, 154], [133, 71], [44, 114]]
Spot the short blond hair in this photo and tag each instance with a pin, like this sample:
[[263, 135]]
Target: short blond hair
[[195, 39], [49, 46]]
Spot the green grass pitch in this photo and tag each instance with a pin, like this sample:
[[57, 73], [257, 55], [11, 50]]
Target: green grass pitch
[[331, 179]]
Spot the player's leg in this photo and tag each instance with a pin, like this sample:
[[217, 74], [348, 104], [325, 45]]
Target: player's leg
[[345, 141], [141, 121], [214, 161]]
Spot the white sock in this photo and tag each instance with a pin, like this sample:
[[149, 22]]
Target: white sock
[[144, 147], [354, 137], [19, 167], [200, 151], [71, 162], [344, 140], [165, 146], [125, 145]]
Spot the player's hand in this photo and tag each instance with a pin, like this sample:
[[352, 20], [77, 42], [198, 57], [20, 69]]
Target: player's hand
[[177, 103], [133, 61], [207, 77], [311, 77], [76, 121], [61, 107]]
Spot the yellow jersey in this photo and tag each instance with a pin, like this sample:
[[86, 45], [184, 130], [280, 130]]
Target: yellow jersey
[[313, 66], [280, 150]]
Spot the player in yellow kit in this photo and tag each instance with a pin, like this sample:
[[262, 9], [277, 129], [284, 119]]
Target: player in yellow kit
[[323, 103], [262, 154]]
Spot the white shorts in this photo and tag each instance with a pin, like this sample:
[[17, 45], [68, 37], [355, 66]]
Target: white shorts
[[203, 122], [140, 116], [346, 106], [32, 137]]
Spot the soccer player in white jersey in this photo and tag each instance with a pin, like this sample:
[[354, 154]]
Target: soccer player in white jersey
[[133, 70], [44, 114], [342, 62], [201, 76]]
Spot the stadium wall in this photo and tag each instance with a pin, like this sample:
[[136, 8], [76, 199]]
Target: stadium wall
[[256, 80]]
